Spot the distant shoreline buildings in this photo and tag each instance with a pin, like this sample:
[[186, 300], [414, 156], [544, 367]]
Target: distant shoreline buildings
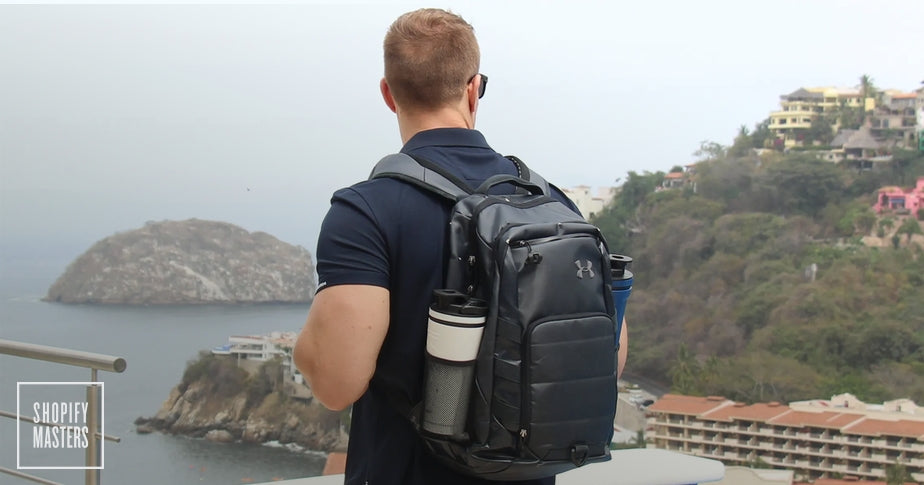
[[250, 352], [848, 124], [589, 202], [840, 437]]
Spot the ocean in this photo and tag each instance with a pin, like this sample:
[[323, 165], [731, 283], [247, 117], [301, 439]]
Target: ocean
[[156, 343]]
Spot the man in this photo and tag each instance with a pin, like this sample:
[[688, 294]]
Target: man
[[381, 253]]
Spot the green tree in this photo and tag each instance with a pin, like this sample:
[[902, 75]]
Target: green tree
[[710, 150], [906, 164], [855, 219], [821, 130], [685, 372], [761, 134], [803, 184], [640, 438], [910, 227], [620, 218], [898, 474], [742, 143], [867, 88], [726, 180]]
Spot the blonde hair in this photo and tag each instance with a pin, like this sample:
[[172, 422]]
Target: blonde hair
[[430, 55]]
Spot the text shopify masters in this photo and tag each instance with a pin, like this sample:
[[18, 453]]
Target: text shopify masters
[[68, 422]]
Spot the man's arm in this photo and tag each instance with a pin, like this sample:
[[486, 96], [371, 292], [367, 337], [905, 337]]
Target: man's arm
[[337, 348], [623, 348]]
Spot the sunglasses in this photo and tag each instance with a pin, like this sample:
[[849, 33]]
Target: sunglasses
[[482, 86]]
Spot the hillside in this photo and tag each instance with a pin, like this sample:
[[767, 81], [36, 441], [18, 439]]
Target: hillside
[[186, 262], [770, 278]]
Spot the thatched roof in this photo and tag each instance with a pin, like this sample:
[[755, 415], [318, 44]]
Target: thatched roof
[[862, 139], [842, 137], [802, 93]]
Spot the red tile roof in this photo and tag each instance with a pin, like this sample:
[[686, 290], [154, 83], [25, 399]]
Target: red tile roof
[[880, 427], [716, 408], [754, 412], [692, 405], [824, 419], [840, 481]]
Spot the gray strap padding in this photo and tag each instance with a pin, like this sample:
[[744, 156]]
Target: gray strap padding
[[403, 167]]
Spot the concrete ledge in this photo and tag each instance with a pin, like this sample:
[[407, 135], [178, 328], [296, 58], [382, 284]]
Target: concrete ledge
[[635, 466]]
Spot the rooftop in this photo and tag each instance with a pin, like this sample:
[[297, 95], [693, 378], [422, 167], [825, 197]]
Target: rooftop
[[803, 93], [863, 419]]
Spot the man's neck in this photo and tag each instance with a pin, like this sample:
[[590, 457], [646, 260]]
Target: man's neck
[[412, 123]]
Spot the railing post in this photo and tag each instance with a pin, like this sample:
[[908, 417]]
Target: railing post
[[93, 455], [92, 461]]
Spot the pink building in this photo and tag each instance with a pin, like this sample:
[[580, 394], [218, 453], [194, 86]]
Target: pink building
[[896, 198]]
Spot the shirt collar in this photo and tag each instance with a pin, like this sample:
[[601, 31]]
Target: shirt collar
[[446, 137]]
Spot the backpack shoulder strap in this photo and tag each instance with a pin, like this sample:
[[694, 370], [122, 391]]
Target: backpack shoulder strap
[[528, 175], [421, 173]]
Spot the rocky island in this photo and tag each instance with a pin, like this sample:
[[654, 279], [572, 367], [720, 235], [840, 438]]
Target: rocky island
[[187, 262], [220, 400]]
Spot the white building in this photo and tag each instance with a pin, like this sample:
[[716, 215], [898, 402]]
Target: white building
[[251, 351], [588, 202]]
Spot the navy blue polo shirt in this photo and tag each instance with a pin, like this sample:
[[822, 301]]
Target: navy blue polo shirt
[[388, 233]]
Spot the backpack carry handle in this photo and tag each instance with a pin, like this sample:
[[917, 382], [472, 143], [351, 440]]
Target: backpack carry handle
[[509, 179]]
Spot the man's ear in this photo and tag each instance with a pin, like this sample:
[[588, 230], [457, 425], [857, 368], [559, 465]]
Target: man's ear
[[386, 95], [471, 90]]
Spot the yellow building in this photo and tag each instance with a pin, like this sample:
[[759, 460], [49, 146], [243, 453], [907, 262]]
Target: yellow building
[[799, 108]]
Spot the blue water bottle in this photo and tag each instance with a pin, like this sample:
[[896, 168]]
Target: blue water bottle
[[622, 288]]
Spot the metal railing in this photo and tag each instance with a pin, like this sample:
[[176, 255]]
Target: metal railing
[[95, 362]]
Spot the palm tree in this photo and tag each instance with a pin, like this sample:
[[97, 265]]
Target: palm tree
[[640, 439], [685, 372], [867, 90]]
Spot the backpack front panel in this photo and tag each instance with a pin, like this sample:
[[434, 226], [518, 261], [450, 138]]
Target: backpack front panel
[[550, 356]]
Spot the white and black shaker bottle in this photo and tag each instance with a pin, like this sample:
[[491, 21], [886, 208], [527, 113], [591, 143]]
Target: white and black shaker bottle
[[454, 330]]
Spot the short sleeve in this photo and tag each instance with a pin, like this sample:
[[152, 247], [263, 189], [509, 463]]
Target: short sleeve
[[351, 246]]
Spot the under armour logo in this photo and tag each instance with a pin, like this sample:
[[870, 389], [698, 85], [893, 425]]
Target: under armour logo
[[581, 269]]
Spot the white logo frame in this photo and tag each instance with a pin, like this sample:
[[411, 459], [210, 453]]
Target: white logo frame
[[102, 425]]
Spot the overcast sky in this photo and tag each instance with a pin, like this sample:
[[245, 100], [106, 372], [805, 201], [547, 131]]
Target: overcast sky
[[113, 115]]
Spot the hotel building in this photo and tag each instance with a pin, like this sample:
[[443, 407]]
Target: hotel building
[[252, 351], [799, 108], [839, 437]]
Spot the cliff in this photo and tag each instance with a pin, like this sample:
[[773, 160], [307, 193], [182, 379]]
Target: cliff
[[219, 401], [186, 262]]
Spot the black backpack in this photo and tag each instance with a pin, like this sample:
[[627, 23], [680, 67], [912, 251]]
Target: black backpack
[[543, 399]]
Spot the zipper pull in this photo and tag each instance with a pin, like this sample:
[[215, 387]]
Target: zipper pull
[[532, 257], [523, 434]]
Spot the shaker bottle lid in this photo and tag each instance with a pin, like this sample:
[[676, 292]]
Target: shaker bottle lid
[[452, 301], [619, 264]]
